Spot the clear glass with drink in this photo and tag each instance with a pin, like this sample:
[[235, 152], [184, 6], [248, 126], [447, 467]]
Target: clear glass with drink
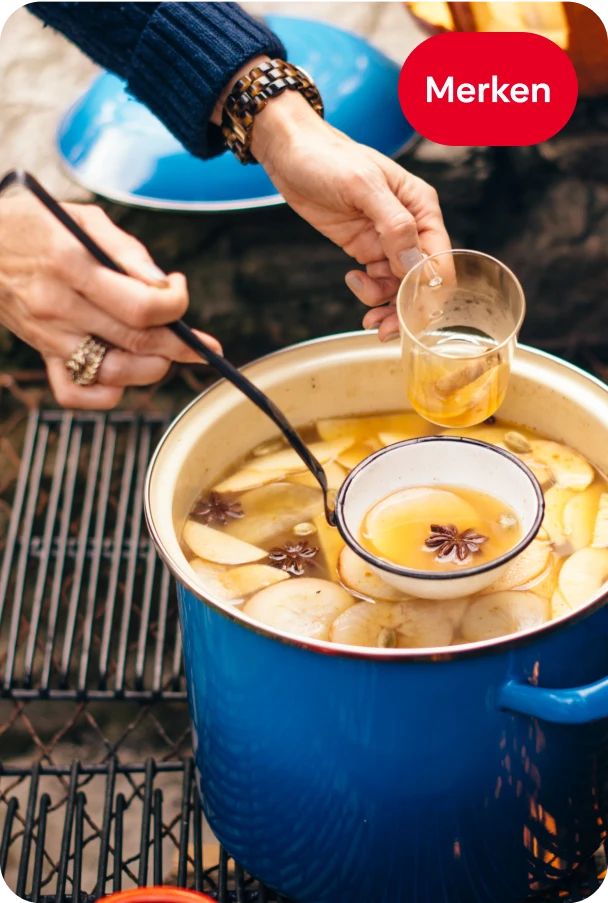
[[459, 316]]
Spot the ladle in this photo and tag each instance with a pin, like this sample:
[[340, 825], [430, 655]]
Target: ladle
[[185, 333]]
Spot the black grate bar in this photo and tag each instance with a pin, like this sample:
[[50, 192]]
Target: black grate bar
[[26, 533], [20, 490], [104, 849], [177, 661], [145, 824], [91, 605], [92, 695], [27, 831], [64, 527], [64, 770], [136, 522], [239, 876], [81, 801], [144, 624], [119, 533], [45, 803], [47, 539], [79, 564], [62, 871], [184, 825], [102, 507], [197, 837], [222, 876], [158, 838], [118, 835], [162, 630], [11, 810]]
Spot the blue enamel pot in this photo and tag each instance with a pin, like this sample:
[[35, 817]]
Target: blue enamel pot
[[338, 774]]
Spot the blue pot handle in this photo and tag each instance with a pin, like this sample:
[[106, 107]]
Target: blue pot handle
[[577, 706]]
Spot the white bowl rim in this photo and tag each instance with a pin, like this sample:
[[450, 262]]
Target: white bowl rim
[[385, 565]]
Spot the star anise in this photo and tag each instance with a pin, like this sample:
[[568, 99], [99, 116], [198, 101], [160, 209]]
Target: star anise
[[216, 509], [452, 545], [293, 557]]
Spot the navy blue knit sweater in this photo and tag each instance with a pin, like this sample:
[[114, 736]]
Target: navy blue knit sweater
[[175, 57]]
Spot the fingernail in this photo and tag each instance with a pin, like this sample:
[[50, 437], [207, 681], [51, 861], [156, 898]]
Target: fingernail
[[390, 337], [353, 282], [409, 258], [151, 273]]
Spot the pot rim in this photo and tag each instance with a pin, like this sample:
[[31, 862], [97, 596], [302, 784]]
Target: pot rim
[[439, 653], [491, 565]]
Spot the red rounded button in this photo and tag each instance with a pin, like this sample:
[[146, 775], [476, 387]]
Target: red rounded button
[[488, 88]]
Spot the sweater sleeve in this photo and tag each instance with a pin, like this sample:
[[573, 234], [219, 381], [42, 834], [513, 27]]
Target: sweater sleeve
[[176, 58]]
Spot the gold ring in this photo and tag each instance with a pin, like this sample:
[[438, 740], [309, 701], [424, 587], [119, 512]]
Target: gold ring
[[86, 361]]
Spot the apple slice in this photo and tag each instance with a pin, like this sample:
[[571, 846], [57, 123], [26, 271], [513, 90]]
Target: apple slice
[[387, 439], [540, 471], [579, 516], [546, 583], [359, 429], [219, 547], [331, 543], [600, 529], [247, 479], [582, 575], [272, 510], [208, 576], [501, 614], [560, 605], [357, 453], [412, 624], [528, 565], [235, 584], [335, 473], [569, 469], [289, 461], [492, 435], [556, 500], [242, 581], [359, 579], [304, 606]]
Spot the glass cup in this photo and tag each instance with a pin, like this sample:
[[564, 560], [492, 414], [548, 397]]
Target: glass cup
[[459, 316]]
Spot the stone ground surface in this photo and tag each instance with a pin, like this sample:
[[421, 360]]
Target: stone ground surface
[[544, 211]]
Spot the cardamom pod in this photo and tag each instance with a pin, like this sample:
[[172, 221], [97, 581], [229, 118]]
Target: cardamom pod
[[387, 638], [515, 442]]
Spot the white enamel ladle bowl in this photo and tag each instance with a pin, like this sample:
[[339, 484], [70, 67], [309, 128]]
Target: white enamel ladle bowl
[[440, 460]]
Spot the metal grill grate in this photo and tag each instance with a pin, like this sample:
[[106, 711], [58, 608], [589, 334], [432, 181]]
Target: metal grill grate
[[86, 607], [64, 836]]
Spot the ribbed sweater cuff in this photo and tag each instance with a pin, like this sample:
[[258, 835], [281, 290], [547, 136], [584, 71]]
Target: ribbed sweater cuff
[[185, 56]]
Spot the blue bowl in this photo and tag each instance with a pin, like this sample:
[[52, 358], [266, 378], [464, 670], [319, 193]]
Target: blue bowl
[[115, 147]]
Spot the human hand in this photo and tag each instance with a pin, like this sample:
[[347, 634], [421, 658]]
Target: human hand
[[374, 209], [53, 293]]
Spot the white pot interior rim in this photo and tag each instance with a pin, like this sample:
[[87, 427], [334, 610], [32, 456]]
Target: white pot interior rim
[[589, 389]]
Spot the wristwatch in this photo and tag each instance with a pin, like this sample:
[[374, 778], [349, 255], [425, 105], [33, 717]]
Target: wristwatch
[[251, 94]]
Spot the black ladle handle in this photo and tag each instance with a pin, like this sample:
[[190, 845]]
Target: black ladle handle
[[185, 333]]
